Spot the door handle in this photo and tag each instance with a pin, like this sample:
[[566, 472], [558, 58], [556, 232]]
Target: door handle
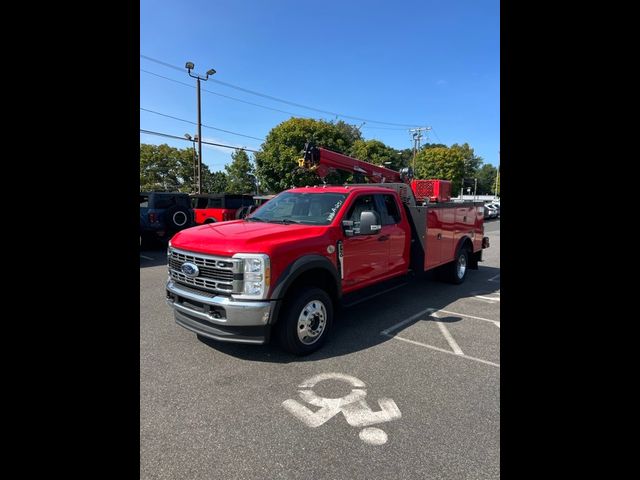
[[439, 237], [383, 238]]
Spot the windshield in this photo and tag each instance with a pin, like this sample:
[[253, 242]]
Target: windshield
[[305, 208]]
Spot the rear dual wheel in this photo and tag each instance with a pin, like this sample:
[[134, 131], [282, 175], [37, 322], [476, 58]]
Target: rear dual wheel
[[455, 272]]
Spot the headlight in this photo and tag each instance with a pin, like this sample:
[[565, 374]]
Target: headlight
[[257, 274]]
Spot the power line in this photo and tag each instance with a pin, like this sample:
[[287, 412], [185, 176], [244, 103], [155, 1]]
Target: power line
[[206, 126], [252, 92], [150, 132], [434, 132], [255, 104], [224, 96]]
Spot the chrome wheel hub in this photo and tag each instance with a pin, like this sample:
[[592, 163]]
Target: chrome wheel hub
[[462, 265], [311, 322]]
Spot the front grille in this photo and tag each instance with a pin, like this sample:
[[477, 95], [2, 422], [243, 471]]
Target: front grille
[[206, 272], [217, 274]]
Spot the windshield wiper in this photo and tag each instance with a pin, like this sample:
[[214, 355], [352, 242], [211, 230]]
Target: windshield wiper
[[284, 221], [255, 219]]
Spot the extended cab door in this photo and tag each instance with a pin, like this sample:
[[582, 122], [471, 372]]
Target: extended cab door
[[365, 257]]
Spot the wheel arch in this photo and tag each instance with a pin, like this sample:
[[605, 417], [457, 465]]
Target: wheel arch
[[309, 270]]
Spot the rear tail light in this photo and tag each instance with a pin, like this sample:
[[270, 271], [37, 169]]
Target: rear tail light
[[152, 217], [226, 216]]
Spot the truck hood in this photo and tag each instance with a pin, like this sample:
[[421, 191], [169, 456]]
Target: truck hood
[[239, 236]]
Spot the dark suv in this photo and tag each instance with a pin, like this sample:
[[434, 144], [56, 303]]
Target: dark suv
[[162, 214]]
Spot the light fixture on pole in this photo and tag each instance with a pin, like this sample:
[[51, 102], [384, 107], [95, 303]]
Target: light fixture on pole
[[190, 66]]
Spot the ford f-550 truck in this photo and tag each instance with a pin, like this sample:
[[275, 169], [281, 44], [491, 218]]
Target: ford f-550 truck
[[284, 269]]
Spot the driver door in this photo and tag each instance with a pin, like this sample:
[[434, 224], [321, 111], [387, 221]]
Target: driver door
[[365, 258]]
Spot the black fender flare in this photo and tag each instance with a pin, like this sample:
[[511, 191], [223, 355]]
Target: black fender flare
[[473, 257], [294, 270], [464, 239]]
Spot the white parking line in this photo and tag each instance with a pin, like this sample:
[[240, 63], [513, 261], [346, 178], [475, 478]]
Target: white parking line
[[496, 322], [452, 343], [408, 320], [146, 258], [491, 299], [493, 279], [443, 350]]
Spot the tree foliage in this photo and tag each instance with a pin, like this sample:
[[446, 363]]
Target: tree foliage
[[440, 163], [277, 161], [376, 152], [165, 168], [486, 179], [240, 177], [214, 182]]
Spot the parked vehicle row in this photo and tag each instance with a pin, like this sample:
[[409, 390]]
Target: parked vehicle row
[[163, 214]]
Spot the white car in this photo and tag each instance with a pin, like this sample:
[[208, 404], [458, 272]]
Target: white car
[[490, 211]]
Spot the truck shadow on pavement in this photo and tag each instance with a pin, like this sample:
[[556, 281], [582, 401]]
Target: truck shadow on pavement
[[358, 327]]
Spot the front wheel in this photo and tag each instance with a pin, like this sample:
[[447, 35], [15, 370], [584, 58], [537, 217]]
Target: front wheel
[[306, 321]]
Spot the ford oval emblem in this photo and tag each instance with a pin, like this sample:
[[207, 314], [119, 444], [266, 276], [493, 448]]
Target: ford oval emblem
[[190, 269]]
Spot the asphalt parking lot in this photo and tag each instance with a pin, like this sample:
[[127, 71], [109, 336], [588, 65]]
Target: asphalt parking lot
[[423, 361]]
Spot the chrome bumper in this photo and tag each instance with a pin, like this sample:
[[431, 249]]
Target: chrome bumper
[[218, 317]]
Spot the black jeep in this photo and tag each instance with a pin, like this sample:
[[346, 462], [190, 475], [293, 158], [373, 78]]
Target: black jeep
[[162, 214]]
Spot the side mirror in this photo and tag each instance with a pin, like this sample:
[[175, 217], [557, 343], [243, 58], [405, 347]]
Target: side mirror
[[369, 223]]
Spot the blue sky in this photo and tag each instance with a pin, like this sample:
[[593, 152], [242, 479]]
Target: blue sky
[[430, 63]]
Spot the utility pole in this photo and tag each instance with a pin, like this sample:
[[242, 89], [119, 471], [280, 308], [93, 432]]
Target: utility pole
[[417, 136], [195, 163], [190, 66], [495, 194], [475, 188]]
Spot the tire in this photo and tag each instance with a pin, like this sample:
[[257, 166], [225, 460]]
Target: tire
[[208, 221], [177, 218], [306, 321], [456, 271]]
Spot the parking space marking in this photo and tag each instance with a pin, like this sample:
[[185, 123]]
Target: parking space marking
[[432, 312], [146, 258], [442, 350], [493, 279], [496, 322], [408, 320], [488, 299], [452, 343]]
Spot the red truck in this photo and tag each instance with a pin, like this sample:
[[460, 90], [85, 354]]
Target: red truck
[[283, 270]]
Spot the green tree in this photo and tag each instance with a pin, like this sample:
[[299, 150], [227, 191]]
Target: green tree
[[376, 152], [240, 177], [486, 176], [277, 161], [213, 182], [165, 168], [441, 163], [471, 161]]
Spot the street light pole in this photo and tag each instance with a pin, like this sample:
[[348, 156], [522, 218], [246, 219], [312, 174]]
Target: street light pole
[[190, 66], [495, 194], [195, 163]]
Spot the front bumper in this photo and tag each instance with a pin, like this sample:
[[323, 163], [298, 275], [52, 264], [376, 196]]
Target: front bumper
[[218, 317]]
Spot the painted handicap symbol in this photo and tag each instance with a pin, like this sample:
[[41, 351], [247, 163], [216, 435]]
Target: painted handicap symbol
[[353, 406]]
